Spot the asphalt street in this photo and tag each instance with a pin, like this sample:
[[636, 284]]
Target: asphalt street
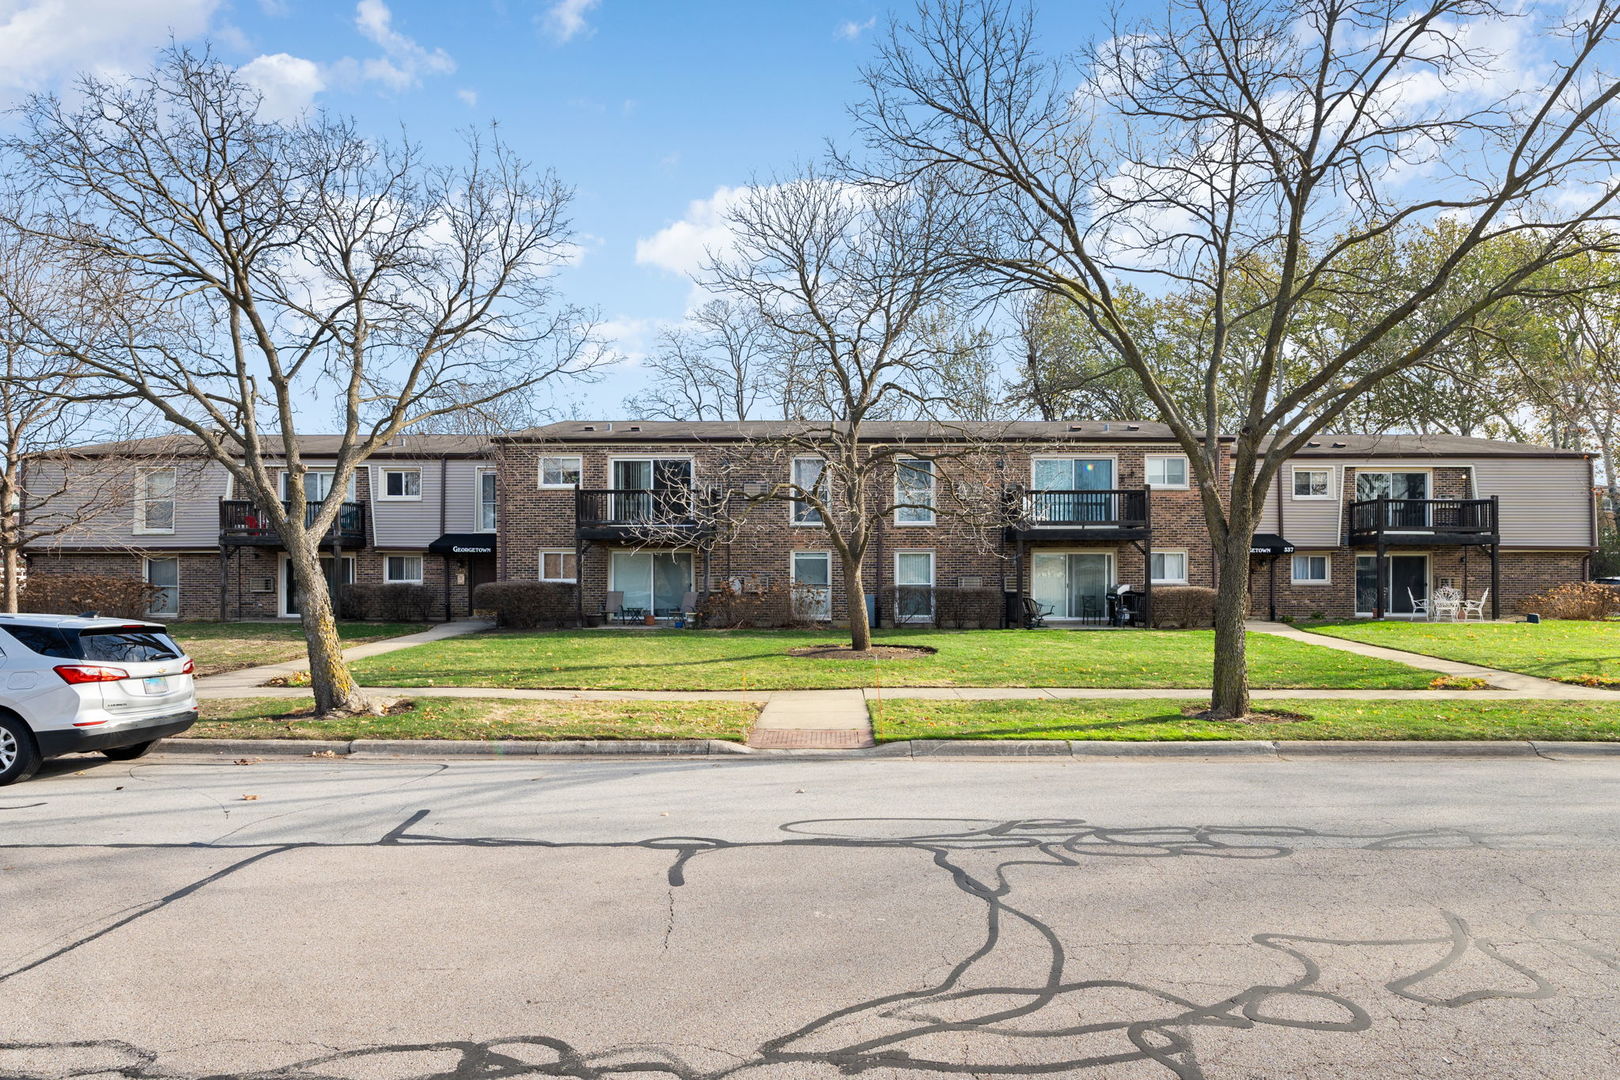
[[768, 919]]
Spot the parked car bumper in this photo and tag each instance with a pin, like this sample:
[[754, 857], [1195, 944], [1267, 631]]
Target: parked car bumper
[[110, 736]]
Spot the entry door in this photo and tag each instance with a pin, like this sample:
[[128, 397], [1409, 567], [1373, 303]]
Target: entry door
[[480, 568], [1073, 584], [812, 585], [1406, 573], [289, 588]]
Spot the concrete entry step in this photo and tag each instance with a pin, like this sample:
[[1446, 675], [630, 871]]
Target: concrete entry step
[[809, 739]]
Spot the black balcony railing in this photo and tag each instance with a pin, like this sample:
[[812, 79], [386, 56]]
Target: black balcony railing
[[1112, 509], [242, 522], [638, 508], [1371, 518]]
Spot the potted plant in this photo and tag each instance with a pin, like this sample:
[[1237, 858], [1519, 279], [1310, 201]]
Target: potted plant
[[649, 619]]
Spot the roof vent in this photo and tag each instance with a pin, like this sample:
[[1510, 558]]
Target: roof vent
[[635, 427], [1077, 427], [1340, 445], [1313, 445], [1133, 427], [588, 427]]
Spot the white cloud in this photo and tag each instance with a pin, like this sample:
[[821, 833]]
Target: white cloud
[[468, 98], [404, 61], [632, 338], [849, 30], [289, 83], [43, 41], [565, 20], [684, 246]]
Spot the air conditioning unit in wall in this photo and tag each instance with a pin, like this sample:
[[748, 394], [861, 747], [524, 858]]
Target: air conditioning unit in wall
[[262, 585]]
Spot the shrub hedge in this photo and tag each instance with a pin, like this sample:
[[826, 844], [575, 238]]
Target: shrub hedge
[[1585, 600], [70, 594], [527, 605], [1183, 606], [391, 602]]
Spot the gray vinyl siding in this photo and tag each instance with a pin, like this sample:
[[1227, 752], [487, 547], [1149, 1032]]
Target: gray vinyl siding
[[198, 488], [407, 524], [461, 496], [1545, 502]]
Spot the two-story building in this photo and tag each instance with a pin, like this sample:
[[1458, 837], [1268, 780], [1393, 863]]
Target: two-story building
[[1082, 509], [421, 510], [654, 513]]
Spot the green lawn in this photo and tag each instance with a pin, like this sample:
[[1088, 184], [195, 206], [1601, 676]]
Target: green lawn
[[226, 646], [1565, 650], [757, 660], [481, 718], [1150, 719]]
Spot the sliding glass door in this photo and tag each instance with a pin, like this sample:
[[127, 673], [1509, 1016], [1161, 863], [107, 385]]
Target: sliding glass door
[[654, 581], [1074, 585]]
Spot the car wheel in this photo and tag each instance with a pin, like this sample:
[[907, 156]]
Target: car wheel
[[131, 752], [19, 758]]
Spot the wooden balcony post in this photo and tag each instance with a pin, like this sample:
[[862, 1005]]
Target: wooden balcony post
[[1147, 557], [1381, 570]]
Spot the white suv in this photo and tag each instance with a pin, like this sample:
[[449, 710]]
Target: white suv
[[75, 683]]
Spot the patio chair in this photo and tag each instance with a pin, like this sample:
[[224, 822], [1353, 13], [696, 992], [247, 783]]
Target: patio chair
[[1419, 607], [1447, 604], [688, 603], [613, 607], [1475, 609], [1034, 614]]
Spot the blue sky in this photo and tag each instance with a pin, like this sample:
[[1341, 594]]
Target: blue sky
[[650, 109]]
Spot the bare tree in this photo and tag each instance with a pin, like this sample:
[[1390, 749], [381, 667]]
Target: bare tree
[[262, 274], [1186, 150], [855, 284], [715, 366]]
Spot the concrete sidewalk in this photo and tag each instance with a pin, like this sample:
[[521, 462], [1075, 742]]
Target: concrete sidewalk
[[249, 682], [1521, 686]]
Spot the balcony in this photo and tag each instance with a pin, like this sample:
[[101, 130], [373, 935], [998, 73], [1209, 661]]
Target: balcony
[[1423, 522], [1117, 514], [669, 515], [242, 522]]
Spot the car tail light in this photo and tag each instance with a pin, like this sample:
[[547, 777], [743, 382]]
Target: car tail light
[[86, 673], [189, 668]]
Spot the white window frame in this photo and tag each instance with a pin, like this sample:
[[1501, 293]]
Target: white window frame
[[146, 575], [1327, 568], [931, 585], [1294, 483], [1112, 459], [382, 489], [349, 488], [566, 552], [478, 500], [1182, 580], [900, 465], [793, 570], [421, 568], [798, 507], [142, 499], [1186, 472], [540, 471]]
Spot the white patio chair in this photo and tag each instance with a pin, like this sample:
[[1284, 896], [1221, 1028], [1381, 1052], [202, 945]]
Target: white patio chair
[[1446, 604], [1419, 607], [1475, 609]]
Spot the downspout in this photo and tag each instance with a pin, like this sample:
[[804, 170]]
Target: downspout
[[1592, 518], [1282, 531], [444, 487]]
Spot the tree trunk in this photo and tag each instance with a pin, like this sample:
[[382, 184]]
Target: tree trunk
[[860, 630], [13, 588], [1231, 671], [329, 679]]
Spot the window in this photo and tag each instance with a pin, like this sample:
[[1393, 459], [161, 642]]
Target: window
[[560, 471], [1407, 493], [809, 474], [164, 575], [1170, 567], [154, 501], [317, 485], [403, 569], [402, 484], [914, 492], [1313, 484], [914, 587], [559, 565], [486, 500], [812, 585], [1166, 470], [1310, 570]]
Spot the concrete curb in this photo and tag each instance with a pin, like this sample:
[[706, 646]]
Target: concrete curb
[[385, 748], [372, 749]]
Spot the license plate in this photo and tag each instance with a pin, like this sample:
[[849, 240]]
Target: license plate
[[155, 684]]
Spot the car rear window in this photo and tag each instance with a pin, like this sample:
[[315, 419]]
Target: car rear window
[[132, 646]]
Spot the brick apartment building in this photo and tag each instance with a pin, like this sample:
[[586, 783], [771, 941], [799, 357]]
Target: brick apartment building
[[654, 512]]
